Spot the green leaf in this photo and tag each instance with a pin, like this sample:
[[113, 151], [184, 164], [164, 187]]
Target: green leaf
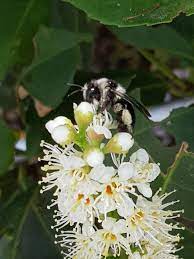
[[188, 245], [184, 25], [145, 138], [54, 65], [129, 13], [181, 178], [24, 233], [35, 131], [13, 213], [162, 37], [35, 243], [144, 135], [180, 125], [18, 23], [7, 141]]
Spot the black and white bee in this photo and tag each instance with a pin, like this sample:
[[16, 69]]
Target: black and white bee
[[107, 94]]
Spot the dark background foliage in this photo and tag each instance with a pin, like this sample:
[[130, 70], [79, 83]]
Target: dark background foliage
[[46, 44]]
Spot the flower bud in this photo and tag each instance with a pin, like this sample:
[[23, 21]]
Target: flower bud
[[93, 136], [61, 130], [94, 157], [119, 143], [83, 113], [58, 121], [98, 133], [63, 135]]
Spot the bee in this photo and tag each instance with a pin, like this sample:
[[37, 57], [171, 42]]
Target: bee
[[107, 94]]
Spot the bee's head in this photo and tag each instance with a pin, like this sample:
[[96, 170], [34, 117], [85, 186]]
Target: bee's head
[[92, 91], [96, 88]]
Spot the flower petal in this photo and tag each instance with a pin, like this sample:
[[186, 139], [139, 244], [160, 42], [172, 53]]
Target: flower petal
[[154, 173], [101, 130], [109, 223], [102, 173], [94, 157], [126, 208], [106, 205], [72, 162], [120, 227], [140, 155], [145, 189], [58, 121], [126, 171]]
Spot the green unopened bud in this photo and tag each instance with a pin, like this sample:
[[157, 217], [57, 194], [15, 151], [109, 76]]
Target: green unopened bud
[[83, 113], [119, 143], [94, 156]]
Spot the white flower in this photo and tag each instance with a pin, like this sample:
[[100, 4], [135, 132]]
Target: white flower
[[138, 171], [140, 156], [87, 193], [61, 129], [94, 157], [58, 121], [113, 195], [166, 249], [119, 143], [78, 244], [144, 172], [56, 166], [110, 240], [66, 171], [63, 135], [100, 126], [73, 208], [126, 171], [150, 219], [84, 108], [102, 173], [125, 141], [72, 162]]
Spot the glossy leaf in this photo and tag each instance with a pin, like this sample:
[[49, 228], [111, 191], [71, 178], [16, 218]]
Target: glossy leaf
[[37, 244], [181, 178], [18, 23], [184, 25], [180, 125], [23, 231], [162, 37], [54, 65], [188, 245], [7, 141], [145, 138], [13, 213], [35, 132], [130, 13]]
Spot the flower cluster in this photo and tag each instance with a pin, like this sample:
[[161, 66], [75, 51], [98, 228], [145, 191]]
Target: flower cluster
[[103, 192]]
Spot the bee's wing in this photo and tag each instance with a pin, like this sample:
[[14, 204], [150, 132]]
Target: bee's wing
[[133, 101]]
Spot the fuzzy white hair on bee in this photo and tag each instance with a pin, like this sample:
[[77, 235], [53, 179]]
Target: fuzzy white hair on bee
[[107, 94]]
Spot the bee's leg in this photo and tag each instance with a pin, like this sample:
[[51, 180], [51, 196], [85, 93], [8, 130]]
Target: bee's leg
[[125, 116], [128, 119], [118, 110]]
